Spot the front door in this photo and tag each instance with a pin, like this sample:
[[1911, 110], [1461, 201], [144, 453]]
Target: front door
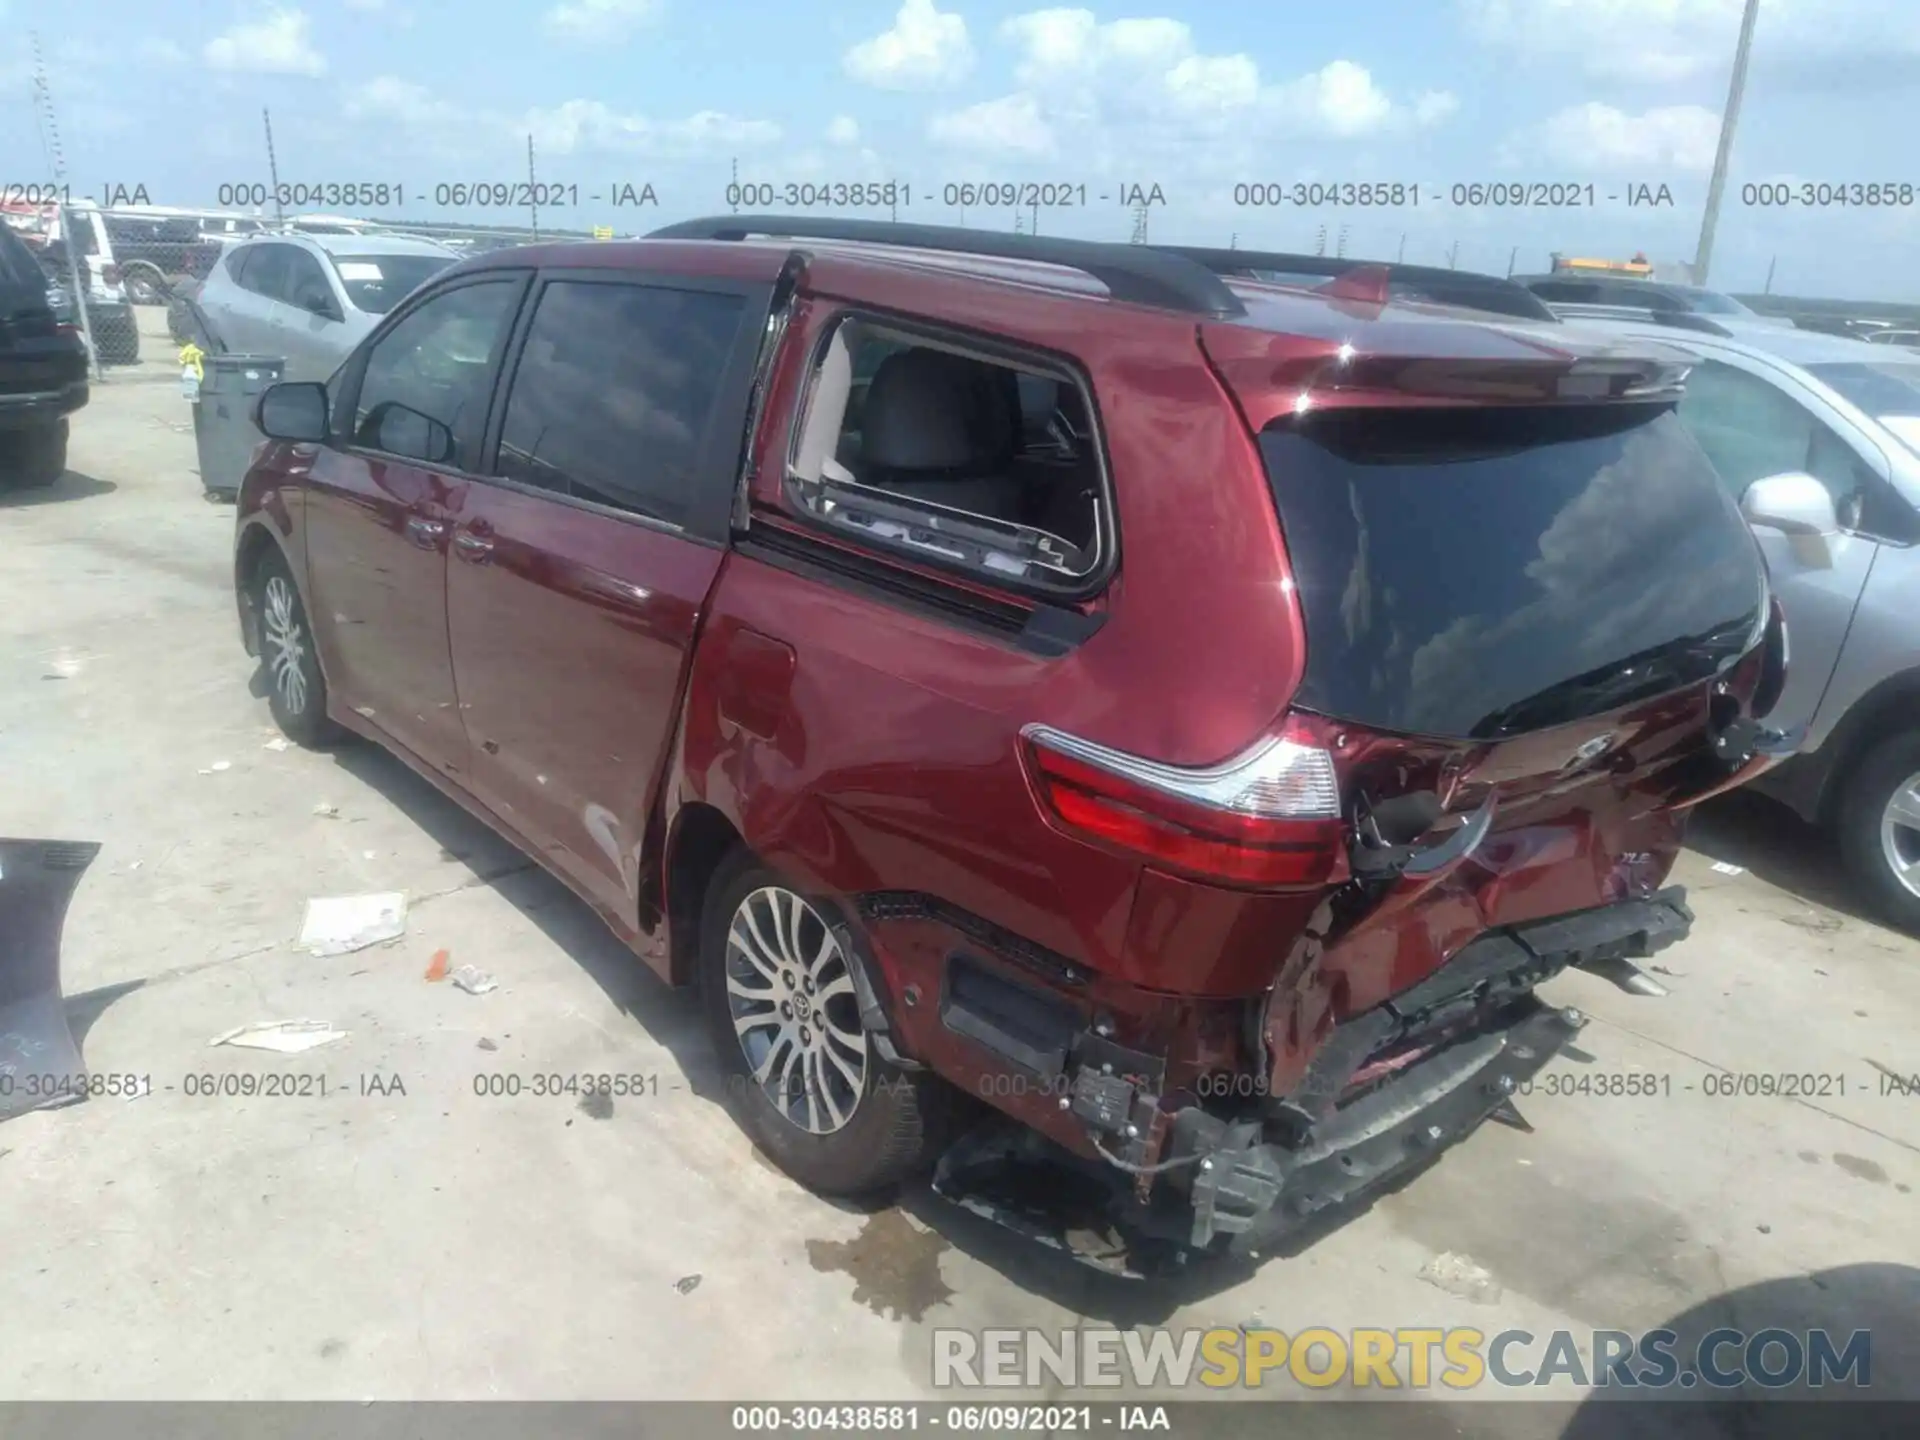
[[1751, 428], [380, 508], [580, 573]]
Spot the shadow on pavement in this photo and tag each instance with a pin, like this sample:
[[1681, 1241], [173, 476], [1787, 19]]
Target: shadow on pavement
[[74, 485], [1764, 837]]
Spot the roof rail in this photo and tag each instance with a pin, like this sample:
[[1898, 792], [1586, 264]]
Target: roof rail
[[1140, 274], [1643, 315], [1467, 288]]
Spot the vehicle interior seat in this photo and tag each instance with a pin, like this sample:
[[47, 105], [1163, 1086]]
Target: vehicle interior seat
[[944, 429]]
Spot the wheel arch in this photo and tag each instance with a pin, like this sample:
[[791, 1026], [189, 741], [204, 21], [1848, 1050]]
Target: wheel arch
[[1890, 707]]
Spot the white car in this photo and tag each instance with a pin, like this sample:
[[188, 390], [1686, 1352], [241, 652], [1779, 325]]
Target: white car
[[311, 298]]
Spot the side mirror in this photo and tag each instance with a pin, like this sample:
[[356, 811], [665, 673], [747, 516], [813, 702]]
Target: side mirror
[[398, 430], [294, 411], [1794, 502], [1798, 506]]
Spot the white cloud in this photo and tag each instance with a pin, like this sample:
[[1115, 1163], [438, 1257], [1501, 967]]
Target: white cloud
[[162, 52], [588, 125], [1142, 92], [388, 97], [277, 44], [1011, 125], [1673, 41], [601, 19], [844, 130], [1340, 99], [926, 46], [1599, 137]]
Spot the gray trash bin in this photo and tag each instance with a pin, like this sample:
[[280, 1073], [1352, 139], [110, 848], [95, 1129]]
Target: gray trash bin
[[223, 430]]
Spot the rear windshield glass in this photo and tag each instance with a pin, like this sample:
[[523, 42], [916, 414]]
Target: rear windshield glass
[[1482, 573], [377, 283], [18, 268]]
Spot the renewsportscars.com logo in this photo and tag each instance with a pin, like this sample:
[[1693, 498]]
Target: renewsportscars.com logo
[[1404, 1358]]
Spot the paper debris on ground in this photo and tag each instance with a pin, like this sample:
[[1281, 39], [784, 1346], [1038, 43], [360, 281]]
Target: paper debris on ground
[[217, 767], [474, 981], [288, 1037], [341, 924], [279, 742], [1721, 867], [326, 811]]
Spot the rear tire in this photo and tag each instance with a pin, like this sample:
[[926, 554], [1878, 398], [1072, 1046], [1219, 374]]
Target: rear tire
[[803, 1078], [1879, 827], [34, 459], [296, 690]]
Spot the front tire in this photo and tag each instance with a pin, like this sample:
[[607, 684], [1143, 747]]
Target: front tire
[[803, 1077], [34, 459], [1879, 828], [296, 690]]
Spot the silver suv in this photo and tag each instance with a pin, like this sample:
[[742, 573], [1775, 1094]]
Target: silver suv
[[312, 298], [1819, 437]]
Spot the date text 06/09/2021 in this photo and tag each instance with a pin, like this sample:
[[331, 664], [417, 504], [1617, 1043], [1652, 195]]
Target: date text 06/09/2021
[[910, 1417]]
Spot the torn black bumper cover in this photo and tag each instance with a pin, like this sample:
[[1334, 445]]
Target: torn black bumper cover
[[1387, 1091], [39, 1062], [1484, 1036]]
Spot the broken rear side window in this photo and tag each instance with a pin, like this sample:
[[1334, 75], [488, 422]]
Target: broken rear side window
[[1483, 573], [952, 457]]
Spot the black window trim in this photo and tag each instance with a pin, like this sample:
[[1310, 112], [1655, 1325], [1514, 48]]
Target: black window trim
[[709, 512], [993, 349], [341, 424]]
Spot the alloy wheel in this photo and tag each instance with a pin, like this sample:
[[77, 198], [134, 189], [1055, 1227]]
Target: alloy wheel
[[1900, 833], [795, 1012], [286, 644]]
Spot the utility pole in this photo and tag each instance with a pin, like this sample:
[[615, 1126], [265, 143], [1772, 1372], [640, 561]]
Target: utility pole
[[1403, 247], [733, 190], [533, 190], [1139, 236], [1716, 187], [1320, 241], [43, 116], [1340, 245], [1513, 257], [1453, 256], [273, 170], [1771, 262]]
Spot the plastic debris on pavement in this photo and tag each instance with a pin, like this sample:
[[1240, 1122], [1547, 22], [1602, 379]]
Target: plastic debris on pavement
[[217, 767], [341, 924], [288, 1037], [279, 742], [326, 811], [474, 980], [437, 968], [1721, 867]]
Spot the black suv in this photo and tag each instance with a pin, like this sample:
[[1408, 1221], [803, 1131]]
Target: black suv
[[43, 372]]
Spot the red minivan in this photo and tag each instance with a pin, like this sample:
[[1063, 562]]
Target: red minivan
[[1185, 711]]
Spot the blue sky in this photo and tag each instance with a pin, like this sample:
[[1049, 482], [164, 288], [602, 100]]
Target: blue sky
[[1194, 97]]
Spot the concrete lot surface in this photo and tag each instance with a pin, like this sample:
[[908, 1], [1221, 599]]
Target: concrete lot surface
[[421, 1240]]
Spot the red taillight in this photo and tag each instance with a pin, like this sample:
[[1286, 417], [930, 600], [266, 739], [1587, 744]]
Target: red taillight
[[1269, 817]]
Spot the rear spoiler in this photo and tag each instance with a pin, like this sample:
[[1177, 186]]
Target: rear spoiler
[[1643, 315], [1465, 289]]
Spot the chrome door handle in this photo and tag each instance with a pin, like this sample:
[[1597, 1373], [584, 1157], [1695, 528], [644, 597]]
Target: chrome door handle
[[425, 533], [475, 546]]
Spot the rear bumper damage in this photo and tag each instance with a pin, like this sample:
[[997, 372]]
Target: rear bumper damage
[[1386, 1091]]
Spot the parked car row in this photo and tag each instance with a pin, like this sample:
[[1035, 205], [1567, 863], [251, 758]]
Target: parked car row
[[762, 579], [74, 240]]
